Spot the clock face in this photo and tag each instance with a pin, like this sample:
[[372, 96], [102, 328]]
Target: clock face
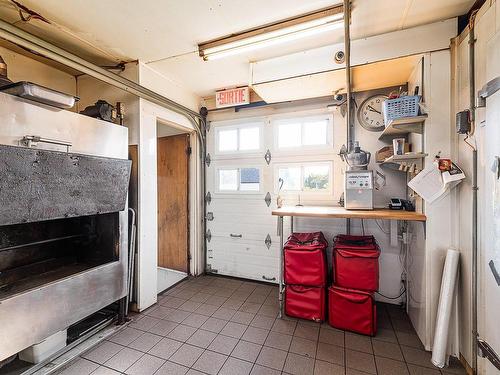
[[370, 113]]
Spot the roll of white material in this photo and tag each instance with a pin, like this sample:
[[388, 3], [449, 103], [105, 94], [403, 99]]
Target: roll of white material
[[448, 282]]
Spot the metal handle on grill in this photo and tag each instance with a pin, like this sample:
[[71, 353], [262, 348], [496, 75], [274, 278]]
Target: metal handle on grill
[[33, 140], [268, 278], [236, 235]]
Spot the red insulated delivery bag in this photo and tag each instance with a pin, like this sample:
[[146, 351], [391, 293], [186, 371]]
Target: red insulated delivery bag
[[352, 310], [355, 262], [356, 269], [305, 302], [305, 259]]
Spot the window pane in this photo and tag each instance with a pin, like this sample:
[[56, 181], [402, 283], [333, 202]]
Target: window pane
[[228, 140], [316, 177], [291, 178], [289, 135], [249, 179], [228, 179], [315, 133], [249, 139]]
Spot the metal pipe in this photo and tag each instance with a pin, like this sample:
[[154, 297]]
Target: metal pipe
[[472, 93], [131, 259], [475, 334], [203, 182], [281, 271], [31, 42], [347, 54]]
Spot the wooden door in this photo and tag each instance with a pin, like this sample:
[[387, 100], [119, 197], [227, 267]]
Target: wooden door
[[173, 218]]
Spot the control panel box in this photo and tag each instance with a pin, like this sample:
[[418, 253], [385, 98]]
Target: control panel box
[[358, 190]]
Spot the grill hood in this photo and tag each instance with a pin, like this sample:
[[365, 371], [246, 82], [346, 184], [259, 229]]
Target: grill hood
[[37, 185]]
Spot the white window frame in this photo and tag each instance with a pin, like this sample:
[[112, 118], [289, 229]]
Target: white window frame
[[276, 122], [238, 191], [301, 165], [257, 123]]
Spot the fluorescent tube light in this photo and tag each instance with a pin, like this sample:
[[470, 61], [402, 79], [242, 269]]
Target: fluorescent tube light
[[271, 35], [213, 55]]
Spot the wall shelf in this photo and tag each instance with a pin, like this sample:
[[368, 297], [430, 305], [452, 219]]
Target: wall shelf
[[341, 212], [403, 126], [396, 159]]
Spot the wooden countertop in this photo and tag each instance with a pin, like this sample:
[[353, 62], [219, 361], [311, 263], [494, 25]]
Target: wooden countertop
[[341, 212]]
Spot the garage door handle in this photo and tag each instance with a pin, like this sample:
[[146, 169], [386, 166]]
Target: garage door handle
[[236, 235], [269, 278]]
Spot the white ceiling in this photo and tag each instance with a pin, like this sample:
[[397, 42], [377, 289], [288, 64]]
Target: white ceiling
[[165, 33]]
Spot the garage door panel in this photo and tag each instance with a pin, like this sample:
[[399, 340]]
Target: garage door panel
[[244, 246], [234, 204], [248, 266], [243, 220], [246, 237], [256, 230]]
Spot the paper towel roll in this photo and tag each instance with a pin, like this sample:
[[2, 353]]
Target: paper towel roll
[[448, 282]]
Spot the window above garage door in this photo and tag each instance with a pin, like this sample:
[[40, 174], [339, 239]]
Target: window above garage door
[[239, 139], [303, 133]]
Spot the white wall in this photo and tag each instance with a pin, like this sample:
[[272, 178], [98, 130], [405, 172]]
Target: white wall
[[23, 68], [150, 115], [486, 27], [425, 38], [426, 271], [154, 80]]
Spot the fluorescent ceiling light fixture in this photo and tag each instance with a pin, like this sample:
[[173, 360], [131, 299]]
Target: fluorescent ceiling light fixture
[[277, 33]]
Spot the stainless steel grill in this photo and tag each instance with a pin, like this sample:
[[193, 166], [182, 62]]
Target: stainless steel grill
[[63, 220]]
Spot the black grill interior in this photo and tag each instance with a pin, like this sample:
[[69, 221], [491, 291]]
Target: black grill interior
[[34, 254]]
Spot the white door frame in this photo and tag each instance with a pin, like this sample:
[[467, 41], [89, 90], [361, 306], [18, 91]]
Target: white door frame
[[147, 259]]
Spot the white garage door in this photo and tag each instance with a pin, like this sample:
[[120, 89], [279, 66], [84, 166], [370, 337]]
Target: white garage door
[[247, 159]]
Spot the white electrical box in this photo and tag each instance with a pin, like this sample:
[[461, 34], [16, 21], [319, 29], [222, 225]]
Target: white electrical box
[[358, 190]]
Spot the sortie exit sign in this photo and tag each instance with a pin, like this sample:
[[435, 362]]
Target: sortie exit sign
[[232, 97]]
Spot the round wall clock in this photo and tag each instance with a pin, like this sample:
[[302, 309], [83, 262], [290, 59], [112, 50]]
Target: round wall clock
[[370, 113]]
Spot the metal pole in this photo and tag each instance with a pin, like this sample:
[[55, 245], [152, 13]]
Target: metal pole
[[347, 53], [203, 121], [475, 333], [472, 94], [280, 276]]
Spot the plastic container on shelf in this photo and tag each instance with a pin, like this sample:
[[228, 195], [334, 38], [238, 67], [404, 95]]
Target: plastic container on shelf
[[404, 106]]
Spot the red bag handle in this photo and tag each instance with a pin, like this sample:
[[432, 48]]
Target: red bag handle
[[357, 298], [349, 254]]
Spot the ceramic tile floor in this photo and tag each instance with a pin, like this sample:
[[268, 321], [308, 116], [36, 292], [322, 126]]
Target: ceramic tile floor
[[215, 325]]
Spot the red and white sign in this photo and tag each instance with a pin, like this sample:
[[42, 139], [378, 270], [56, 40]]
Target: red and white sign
[[232, 97]]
